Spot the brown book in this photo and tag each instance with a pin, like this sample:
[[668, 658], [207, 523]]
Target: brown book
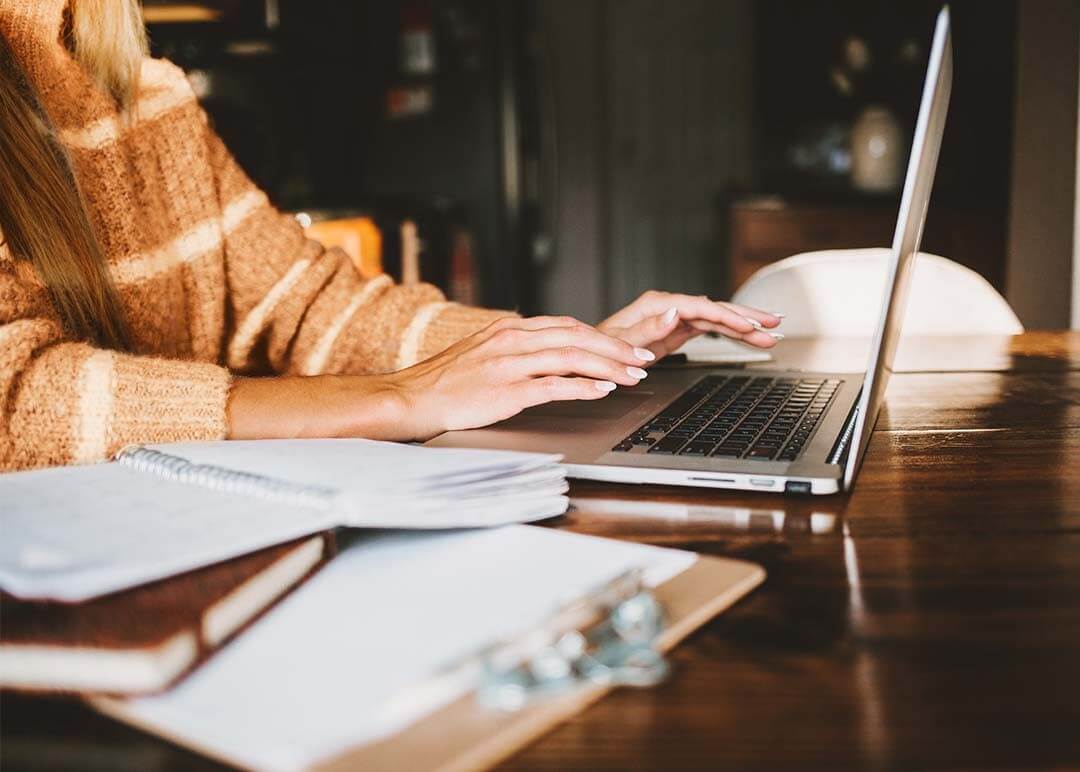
[[142, 640]]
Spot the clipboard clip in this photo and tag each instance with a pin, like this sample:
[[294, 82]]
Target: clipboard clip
[[606, 638]]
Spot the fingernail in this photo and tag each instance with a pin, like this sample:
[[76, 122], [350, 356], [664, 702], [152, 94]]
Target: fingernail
[[644, 354], [777, 314], [777, 335], [636, 372], [605, 386], [753, 323], [670, 314]]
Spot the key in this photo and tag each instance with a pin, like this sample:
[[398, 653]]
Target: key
[[727, 453], [761, 453], [668, 446]]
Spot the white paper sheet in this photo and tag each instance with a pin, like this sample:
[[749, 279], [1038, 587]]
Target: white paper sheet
[[75, 533], [338, 662], [361, 466], [393, 485]]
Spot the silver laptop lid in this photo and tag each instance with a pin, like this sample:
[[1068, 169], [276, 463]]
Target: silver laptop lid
[[909, 228]]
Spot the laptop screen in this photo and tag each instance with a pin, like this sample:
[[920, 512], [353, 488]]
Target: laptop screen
[[909, 226]]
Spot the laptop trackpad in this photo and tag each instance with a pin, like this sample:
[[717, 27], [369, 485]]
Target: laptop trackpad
[[610, 408]]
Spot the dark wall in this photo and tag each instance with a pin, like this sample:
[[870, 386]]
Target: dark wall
[[587, 143], [1041, 227], [800, 43], [302, 103], [347, 58], [654, 118], [667, 109]]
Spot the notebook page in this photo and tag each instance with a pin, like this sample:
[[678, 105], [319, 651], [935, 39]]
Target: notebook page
[[339, 662], [395, 485], [359, 466], [78, 532]]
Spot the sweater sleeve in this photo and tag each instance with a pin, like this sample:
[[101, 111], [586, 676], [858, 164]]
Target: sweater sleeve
[[63, 402], [300, 308]]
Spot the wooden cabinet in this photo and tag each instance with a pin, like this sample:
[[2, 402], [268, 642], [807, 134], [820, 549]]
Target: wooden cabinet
[[763, 230]]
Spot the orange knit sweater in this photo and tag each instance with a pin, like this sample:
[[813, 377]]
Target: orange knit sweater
[[212, 279]]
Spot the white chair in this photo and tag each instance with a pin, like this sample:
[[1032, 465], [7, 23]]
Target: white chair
[[838, 293]]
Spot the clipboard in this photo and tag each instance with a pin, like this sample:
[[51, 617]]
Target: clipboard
[[462, 733], [465, 736]]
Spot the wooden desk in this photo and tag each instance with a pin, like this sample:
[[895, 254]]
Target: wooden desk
[[937, 625]]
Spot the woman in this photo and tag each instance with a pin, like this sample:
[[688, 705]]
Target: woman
[[143, 278]]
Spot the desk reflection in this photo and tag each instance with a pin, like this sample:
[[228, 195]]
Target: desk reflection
[[732, 518]]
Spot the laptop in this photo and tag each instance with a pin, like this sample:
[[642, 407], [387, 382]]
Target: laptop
[[780, 431]]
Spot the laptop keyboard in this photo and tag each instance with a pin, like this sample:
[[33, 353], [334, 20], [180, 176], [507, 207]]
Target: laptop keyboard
[[749, 417]]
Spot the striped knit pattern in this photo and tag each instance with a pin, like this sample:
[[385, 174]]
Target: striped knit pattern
[[213, 280]]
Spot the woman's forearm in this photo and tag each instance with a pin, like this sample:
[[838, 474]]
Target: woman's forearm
[[317, 406]]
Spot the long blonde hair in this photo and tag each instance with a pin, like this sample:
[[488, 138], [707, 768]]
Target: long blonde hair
[[109, 41], [43, 216]]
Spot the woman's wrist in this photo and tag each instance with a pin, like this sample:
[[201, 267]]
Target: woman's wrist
[[374, 407], [368, 406]]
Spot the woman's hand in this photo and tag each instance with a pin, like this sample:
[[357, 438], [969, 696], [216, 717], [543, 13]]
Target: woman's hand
[[664, 321], [509, 366]]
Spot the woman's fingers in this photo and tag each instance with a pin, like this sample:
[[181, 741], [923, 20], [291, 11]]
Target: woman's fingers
[[575, 361], [664, 337], [520, 323], [757, 338], [738, 317], [662, 333], [720, 329], [675, 340], [579, 336], [665, 333], [767, 318], [516, 363], [651, 329], [551, 388]]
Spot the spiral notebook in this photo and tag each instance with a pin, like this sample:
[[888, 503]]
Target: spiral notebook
[[75, 533]]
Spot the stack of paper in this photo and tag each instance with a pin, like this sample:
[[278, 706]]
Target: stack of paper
[[79, 532], [392, 485], [355, 654]]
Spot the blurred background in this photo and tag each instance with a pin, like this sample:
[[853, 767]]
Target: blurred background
[[564, 155]]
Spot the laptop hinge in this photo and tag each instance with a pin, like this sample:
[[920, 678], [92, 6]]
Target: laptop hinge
[[839, 453]]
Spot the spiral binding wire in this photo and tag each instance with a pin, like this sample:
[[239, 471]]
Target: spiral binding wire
[[226, 480]]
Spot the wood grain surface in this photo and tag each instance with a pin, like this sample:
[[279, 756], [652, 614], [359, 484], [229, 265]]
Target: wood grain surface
[[928, 620]]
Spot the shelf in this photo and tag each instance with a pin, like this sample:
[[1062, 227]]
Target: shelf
[[180, 13]]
